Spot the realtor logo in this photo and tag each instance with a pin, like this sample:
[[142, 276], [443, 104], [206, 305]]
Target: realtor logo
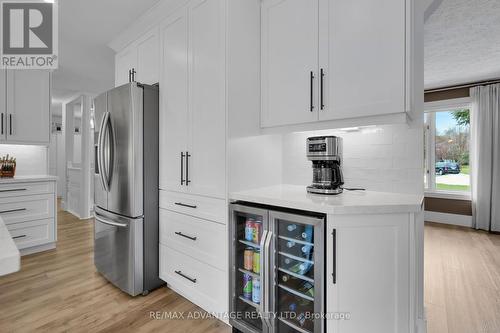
[[29, 34]]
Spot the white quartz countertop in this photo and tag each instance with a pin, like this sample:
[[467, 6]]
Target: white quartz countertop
[[27, 179], [10, 259], [349, 202]]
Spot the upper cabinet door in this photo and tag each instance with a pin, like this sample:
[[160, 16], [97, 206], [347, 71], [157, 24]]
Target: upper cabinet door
[[148, 58], [28, 106], [174, 102], [362, 54], [124, 62], [289, 62], [3, 104], [207, 162]]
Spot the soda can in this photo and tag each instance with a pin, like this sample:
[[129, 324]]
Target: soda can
[[256, 291], [257, 227], [248, 259], [256, 261], [249, 230], [247, 286]]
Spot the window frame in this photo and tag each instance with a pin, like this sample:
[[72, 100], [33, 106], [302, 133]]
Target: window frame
[[431, 108]]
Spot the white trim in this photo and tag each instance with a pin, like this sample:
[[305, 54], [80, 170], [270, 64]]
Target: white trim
[[448, 104], [444, 218], [466, 195]]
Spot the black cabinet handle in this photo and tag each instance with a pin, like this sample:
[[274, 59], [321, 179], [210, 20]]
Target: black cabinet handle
[[322, 77], [334, 258], [2, 123], [21, 236], [178, 233], [185, 276], [10, 124], [182, 168], [129, 75], [13, 210], [133, 74], [311, 107], [185, 205], [187, 168], [13, 190]]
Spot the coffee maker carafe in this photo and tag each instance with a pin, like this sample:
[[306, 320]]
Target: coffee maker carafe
[[325, 152]]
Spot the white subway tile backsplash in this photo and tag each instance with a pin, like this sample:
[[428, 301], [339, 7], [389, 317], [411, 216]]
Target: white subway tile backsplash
[[382, 158]]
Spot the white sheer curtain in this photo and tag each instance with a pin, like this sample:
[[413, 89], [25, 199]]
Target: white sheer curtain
[[485, 156]]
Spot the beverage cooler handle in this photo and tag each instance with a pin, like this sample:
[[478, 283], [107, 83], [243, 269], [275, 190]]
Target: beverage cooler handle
[[268, 287], [262, 271], [334, 256]]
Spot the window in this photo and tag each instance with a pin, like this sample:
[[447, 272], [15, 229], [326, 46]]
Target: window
[[446, 155]]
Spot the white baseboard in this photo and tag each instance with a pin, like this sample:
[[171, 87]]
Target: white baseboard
[[445, 218], [36, 249]]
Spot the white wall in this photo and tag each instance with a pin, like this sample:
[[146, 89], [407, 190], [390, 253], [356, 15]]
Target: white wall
[[31, 160], [382, 158]]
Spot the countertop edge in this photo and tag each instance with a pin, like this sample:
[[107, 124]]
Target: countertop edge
[[28, 179]]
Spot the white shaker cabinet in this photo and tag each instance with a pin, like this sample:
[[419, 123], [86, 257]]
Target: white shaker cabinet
[[26, 120], [174, 102], [289, 61], [362, 58], [333, 60], [139, 61], [371, 276], [193, 112]]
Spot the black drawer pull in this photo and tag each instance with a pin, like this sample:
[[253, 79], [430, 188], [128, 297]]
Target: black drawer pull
[[13, 210], [185, 236], [334, 256], [14, 190], [21, 236], [185, 276], [185, 205]]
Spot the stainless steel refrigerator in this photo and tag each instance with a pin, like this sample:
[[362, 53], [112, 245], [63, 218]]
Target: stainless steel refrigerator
[[283, 253], [126, 187]]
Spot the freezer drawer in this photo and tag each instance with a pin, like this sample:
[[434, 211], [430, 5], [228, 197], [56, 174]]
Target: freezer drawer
[[118, 250]]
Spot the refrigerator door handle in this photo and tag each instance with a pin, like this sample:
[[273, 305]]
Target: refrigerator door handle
[[100, 159], [268, 273], [106, 221], [111, 151]]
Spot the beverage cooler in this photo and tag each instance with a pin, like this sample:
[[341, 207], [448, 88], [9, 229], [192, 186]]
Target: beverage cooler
[[277, 271]]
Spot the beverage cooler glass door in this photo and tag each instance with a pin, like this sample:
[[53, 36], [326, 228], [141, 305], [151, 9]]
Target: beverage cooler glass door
[[248, 241], [297, 273]]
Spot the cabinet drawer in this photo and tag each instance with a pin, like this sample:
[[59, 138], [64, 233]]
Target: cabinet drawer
[[28, 234], [198, 206], [202, 284], [202, 239], [27, 208], [21, 189]]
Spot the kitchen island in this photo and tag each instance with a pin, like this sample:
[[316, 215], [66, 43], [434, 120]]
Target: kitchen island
[[10, 259], [373, 254]]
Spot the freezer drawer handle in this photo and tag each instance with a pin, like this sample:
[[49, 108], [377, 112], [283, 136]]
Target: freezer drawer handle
[[20, 236], [185, 236], [185, 276], [13, 210], [121, 225], [185, 205], [14, 190], [334, 256]]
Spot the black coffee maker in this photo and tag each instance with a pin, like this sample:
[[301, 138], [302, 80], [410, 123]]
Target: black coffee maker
[[325, 152]]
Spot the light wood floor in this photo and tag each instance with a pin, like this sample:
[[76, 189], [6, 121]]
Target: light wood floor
[[462, 280], [60, 291]]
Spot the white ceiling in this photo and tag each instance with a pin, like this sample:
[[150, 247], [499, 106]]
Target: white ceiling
[[462, 42], [86, 63]]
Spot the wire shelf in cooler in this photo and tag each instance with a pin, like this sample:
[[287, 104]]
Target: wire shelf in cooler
[[296, 293], [298, 276], [255, 305], [254, 275], [296, 240], [291, 256], [295, 327], [251, 244]]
